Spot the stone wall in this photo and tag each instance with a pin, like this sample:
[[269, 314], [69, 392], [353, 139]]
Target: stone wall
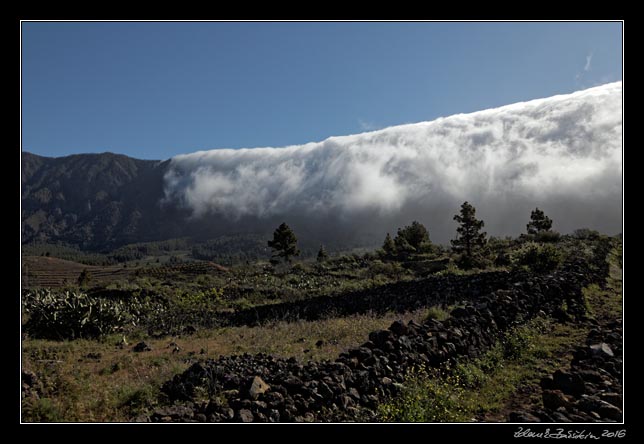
[[591, 390], [263, 388]]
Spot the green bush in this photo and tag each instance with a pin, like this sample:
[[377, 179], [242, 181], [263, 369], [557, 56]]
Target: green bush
[[537, 258], [428, 395], [388, 269], [452, 269], [515, 344], [71, 315], [209, 298], [298, 269], [41, 410], [465, 262], [437, 313], [138, 400], [586, 234], [241, 304], [547, 236]]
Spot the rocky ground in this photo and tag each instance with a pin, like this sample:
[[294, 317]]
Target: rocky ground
[[591, 389], [581, 384], [262, 388]]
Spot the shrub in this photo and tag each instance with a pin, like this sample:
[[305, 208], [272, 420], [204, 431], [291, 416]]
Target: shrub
[[298, 269], [437, 313], [241, 304], [451, 269], [84, 278], [466, 262], [547, 236], [41, 410], [388, 269], [137, 400], [537, 258], [71, 315], [200, 299], [586, 233], [502, 259], [428, 395]]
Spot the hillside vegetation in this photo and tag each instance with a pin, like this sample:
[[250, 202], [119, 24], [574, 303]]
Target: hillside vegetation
[[124, 344]]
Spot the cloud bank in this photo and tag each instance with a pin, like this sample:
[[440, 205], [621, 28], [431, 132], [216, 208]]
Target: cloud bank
[[563, 154]]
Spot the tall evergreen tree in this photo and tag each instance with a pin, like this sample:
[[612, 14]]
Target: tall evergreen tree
[[388, 246], [469, 239], [538, 222], [284, 243], [322, 254]]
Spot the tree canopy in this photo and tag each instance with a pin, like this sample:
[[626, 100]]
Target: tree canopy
[[322, 254], [539, 222], [388, 246], [284, 243], [469, 237], [411, 239], [415, 235]]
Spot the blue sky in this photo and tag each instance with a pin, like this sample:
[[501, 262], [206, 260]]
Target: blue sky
[[154, 90]]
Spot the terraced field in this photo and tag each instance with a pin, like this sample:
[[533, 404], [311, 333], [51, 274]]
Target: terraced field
[[40, 271]]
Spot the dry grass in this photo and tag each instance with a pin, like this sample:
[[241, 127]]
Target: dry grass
[[122, 383], [297, 339], [51, 272]]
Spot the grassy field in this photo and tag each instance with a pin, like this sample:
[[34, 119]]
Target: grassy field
[[103, 379], [89, 380]]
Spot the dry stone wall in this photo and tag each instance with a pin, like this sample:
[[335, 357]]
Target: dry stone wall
[[262, 388]]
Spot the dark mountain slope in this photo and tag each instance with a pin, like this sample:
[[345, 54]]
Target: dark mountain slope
[[102, 201], [90, 200]]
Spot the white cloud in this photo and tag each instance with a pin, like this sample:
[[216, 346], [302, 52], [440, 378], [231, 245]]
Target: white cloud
[[586, 68], [562, 154], [366, 126], [589, 59]]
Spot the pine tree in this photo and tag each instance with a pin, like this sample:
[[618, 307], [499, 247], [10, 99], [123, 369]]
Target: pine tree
[[415, 235], [322, 254], [539, 222], [388, 246], [284, 243], [470, 239], [403, 247]]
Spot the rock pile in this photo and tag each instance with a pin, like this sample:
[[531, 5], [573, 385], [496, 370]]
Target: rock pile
[[263, 388], [591, 390]]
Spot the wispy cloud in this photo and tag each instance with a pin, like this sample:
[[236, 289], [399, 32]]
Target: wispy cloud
[[367, 126], [589, 59], [587, 67], [563, 154]]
